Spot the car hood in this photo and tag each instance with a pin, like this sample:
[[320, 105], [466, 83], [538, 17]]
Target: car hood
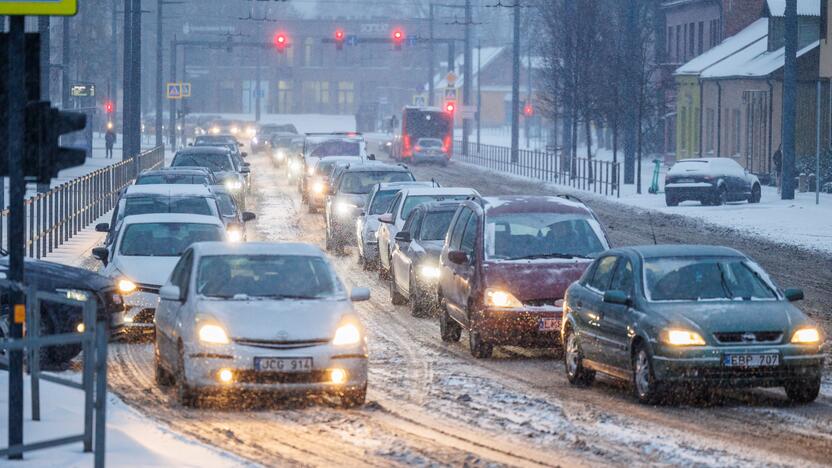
[[276, 320], [739, 316], [49, 275], [432, 249], [153, 271], [534, 279]]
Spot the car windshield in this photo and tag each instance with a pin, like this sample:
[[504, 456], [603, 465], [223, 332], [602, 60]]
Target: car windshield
[[184, 179], [435, 225], [215, 162], [416, 200], [164, 204], [278, 276], [166, 239], [703, 279], [227, 205], [336, 148], [520, 236], [382, 200], [361, 182]]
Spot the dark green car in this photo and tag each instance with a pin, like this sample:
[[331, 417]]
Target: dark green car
[[665, 317]]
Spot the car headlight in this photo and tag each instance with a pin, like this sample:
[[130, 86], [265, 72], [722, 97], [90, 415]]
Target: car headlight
[[344, 208], [806, 336], [234, 235], [347, 335], [125, 286], [281, 155], [213, 334], [318, 187], [233, 185], [234, 130], [215, 130], [75, 294], [429, 272], [501, 299], [255, 140], [680, 337]]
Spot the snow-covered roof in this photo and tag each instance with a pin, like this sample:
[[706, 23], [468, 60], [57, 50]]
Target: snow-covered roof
[[730, 46], [488, 55], [171, 190], [165, 218], [804, 7], [754, 61]]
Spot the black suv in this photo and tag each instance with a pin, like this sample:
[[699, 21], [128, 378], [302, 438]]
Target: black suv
[[348, 193]]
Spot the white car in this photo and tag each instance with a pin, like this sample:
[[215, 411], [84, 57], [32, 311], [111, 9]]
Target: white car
[[144, 252], [392, 221], [259, 316]]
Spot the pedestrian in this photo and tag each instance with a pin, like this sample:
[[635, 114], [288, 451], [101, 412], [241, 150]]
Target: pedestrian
[[778, 167], [394, 124], [109, 140]]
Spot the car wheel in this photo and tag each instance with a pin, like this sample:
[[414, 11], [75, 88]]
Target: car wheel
[[756, 194], [186, 395], [418, 306], [573, 358], [354, 398], [670, 200], [803, 391], [162, 376], [395, 297], [480, 349], [448, 328], [645, 387], [721, 196]]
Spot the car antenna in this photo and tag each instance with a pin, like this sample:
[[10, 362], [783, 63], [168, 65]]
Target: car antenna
[[652, 229]]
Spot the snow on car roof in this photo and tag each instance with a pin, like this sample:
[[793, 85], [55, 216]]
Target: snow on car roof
[[172, 218], [682, 250], [257, 248], [532, 204], [171, 190], [208, 149], [416, 191], [405, 184]]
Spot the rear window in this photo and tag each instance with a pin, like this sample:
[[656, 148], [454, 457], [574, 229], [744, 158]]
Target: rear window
[[152, 205], [381, 202], [413, 201], [336, 148], [172, 179]]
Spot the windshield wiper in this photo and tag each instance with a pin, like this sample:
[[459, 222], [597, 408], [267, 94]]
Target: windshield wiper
[[548, 255], [724, 282], [285, 296]]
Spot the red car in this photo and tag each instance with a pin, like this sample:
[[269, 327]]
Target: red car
[[505, 267]]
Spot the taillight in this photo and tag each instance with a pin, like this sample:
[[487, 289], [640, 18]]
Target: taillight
[[417, 148], [406, 151], [446, 145]]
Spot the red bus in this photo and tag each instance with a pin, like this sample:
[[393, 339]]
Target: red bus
[[427, 134]]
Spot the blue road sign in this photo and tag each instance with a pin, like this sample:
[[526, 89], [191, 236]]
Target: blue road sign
[[351, 40]]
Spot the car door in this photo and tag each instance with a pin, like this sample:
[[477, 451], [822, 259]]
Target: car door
[[384, 233], [400, 257], [449, 277], [614, 318], [588, 306], [168, 310], [466, 277]]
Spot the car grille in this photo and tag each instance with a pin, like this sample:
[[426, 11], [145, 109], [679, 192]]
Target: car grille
[[145, 316], [150, 288], [760, 337], [252, 376], [280, 344], [546, 302]]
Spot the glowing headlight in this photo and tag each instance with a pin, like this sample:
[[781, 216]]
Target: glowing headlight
[[676, 337], [234, 235], [251, 131], [234, 130], [280, 155], [318, 187], [430, 272], [212, 334], [215, 130], [294, 166], [337, 376], [806, 336], [346, 335], [255, 140], [344, 208], [311, 171], [125, 286], [233, 185], [501, 299]]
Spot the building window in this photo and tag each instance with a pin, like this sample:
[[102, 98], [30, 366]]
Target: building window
[[701, 38], [683, 134], [678, 43], [709, 132], [692, 40], [735, 130], [684, 41], [346, 96], [315, 95], [670, 44], [714, 32], [284, 97]]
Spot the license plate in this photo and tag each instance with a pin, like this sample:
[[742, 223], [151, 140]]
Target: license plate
[[751, 360], [270, 364], [548, 324]]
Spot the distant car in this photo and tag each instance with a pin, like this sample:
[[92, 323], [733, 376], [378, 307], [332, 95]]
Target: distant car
[[234, 218], [505, 266], [348, 194], [144, 253], [664, 317], [284, 146], [233, 145], [177, 176], [260, 317], [712, 181], [367, 224], [75, 283], [220, 162], [316, 187], [431, 150], [405, 201], [321, 145], [414, 261]]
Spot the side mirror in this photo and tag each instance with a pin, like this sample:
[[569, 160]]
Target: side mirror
[[248, 216], [101, 253], [617, 297], [793, 294], [245, 170], [244, 154], [102, 227], [371, 157], [386, 218], [458, 257], [170, 293], [359, 294], [403, 236]]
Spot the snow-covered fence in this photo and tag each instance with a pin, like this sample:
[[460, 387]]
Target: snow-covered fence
[[592, 175], [53, 217]]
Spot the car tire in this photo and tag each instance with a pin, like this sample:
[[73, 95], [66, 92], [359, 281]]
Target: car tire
[[803, 391], [354, 398], [573, 358], [162, 376], [670, 200], [450, 331], [395, 296], [186, 395], [720, 196], [756, 194], [418, 307], [480, 349], [645, 387]]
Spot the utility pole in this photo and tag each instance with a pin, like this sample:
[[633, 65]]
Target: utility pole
[[431, 56], [479, 93], [257, 52], [466, 85], [789, 102], [159, 83], [172, 102], [515, 88], [127, 87], [65, 63], [43, 29], [112, 88], [136, 82]]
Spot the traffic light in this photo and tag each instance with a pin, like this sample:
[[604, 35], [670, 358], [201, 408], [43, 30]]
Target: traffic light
[[109, 107], [339, 39], [281, 41], [528, 110], [398, 38], [44, 158], [450, 107]]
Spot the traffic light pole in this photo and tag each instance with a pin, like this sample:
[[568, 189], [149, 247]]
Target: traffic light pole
[[469, 75], [65, 62], [515, 88], [172, 102], [127, 88], [159, 84]]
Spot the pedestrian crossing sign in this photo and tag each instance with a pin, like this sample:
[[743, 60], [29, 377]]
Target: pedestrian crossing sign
[[174, 90], [39, 7]]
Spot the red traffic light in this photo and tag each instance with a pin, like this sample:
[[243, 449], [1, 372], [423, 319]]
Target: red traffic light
[[528, 110], [280, 41], [450, 107], [108, 107], [339, 35]]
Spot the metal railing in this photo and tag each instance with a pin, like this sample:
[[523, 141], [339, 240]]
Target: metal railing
[[53, 217], [93, 341], [591, 175]]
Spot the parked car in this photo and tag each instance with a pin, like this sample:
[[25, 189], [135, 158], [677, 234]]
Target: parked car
[[414, 261], [144, 253], [347, 196], [391, 222], [505, 267], [712, 181], [366, 226], [667, 316], [75, 283], [317, 180], [260, 317], [182, 175]]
